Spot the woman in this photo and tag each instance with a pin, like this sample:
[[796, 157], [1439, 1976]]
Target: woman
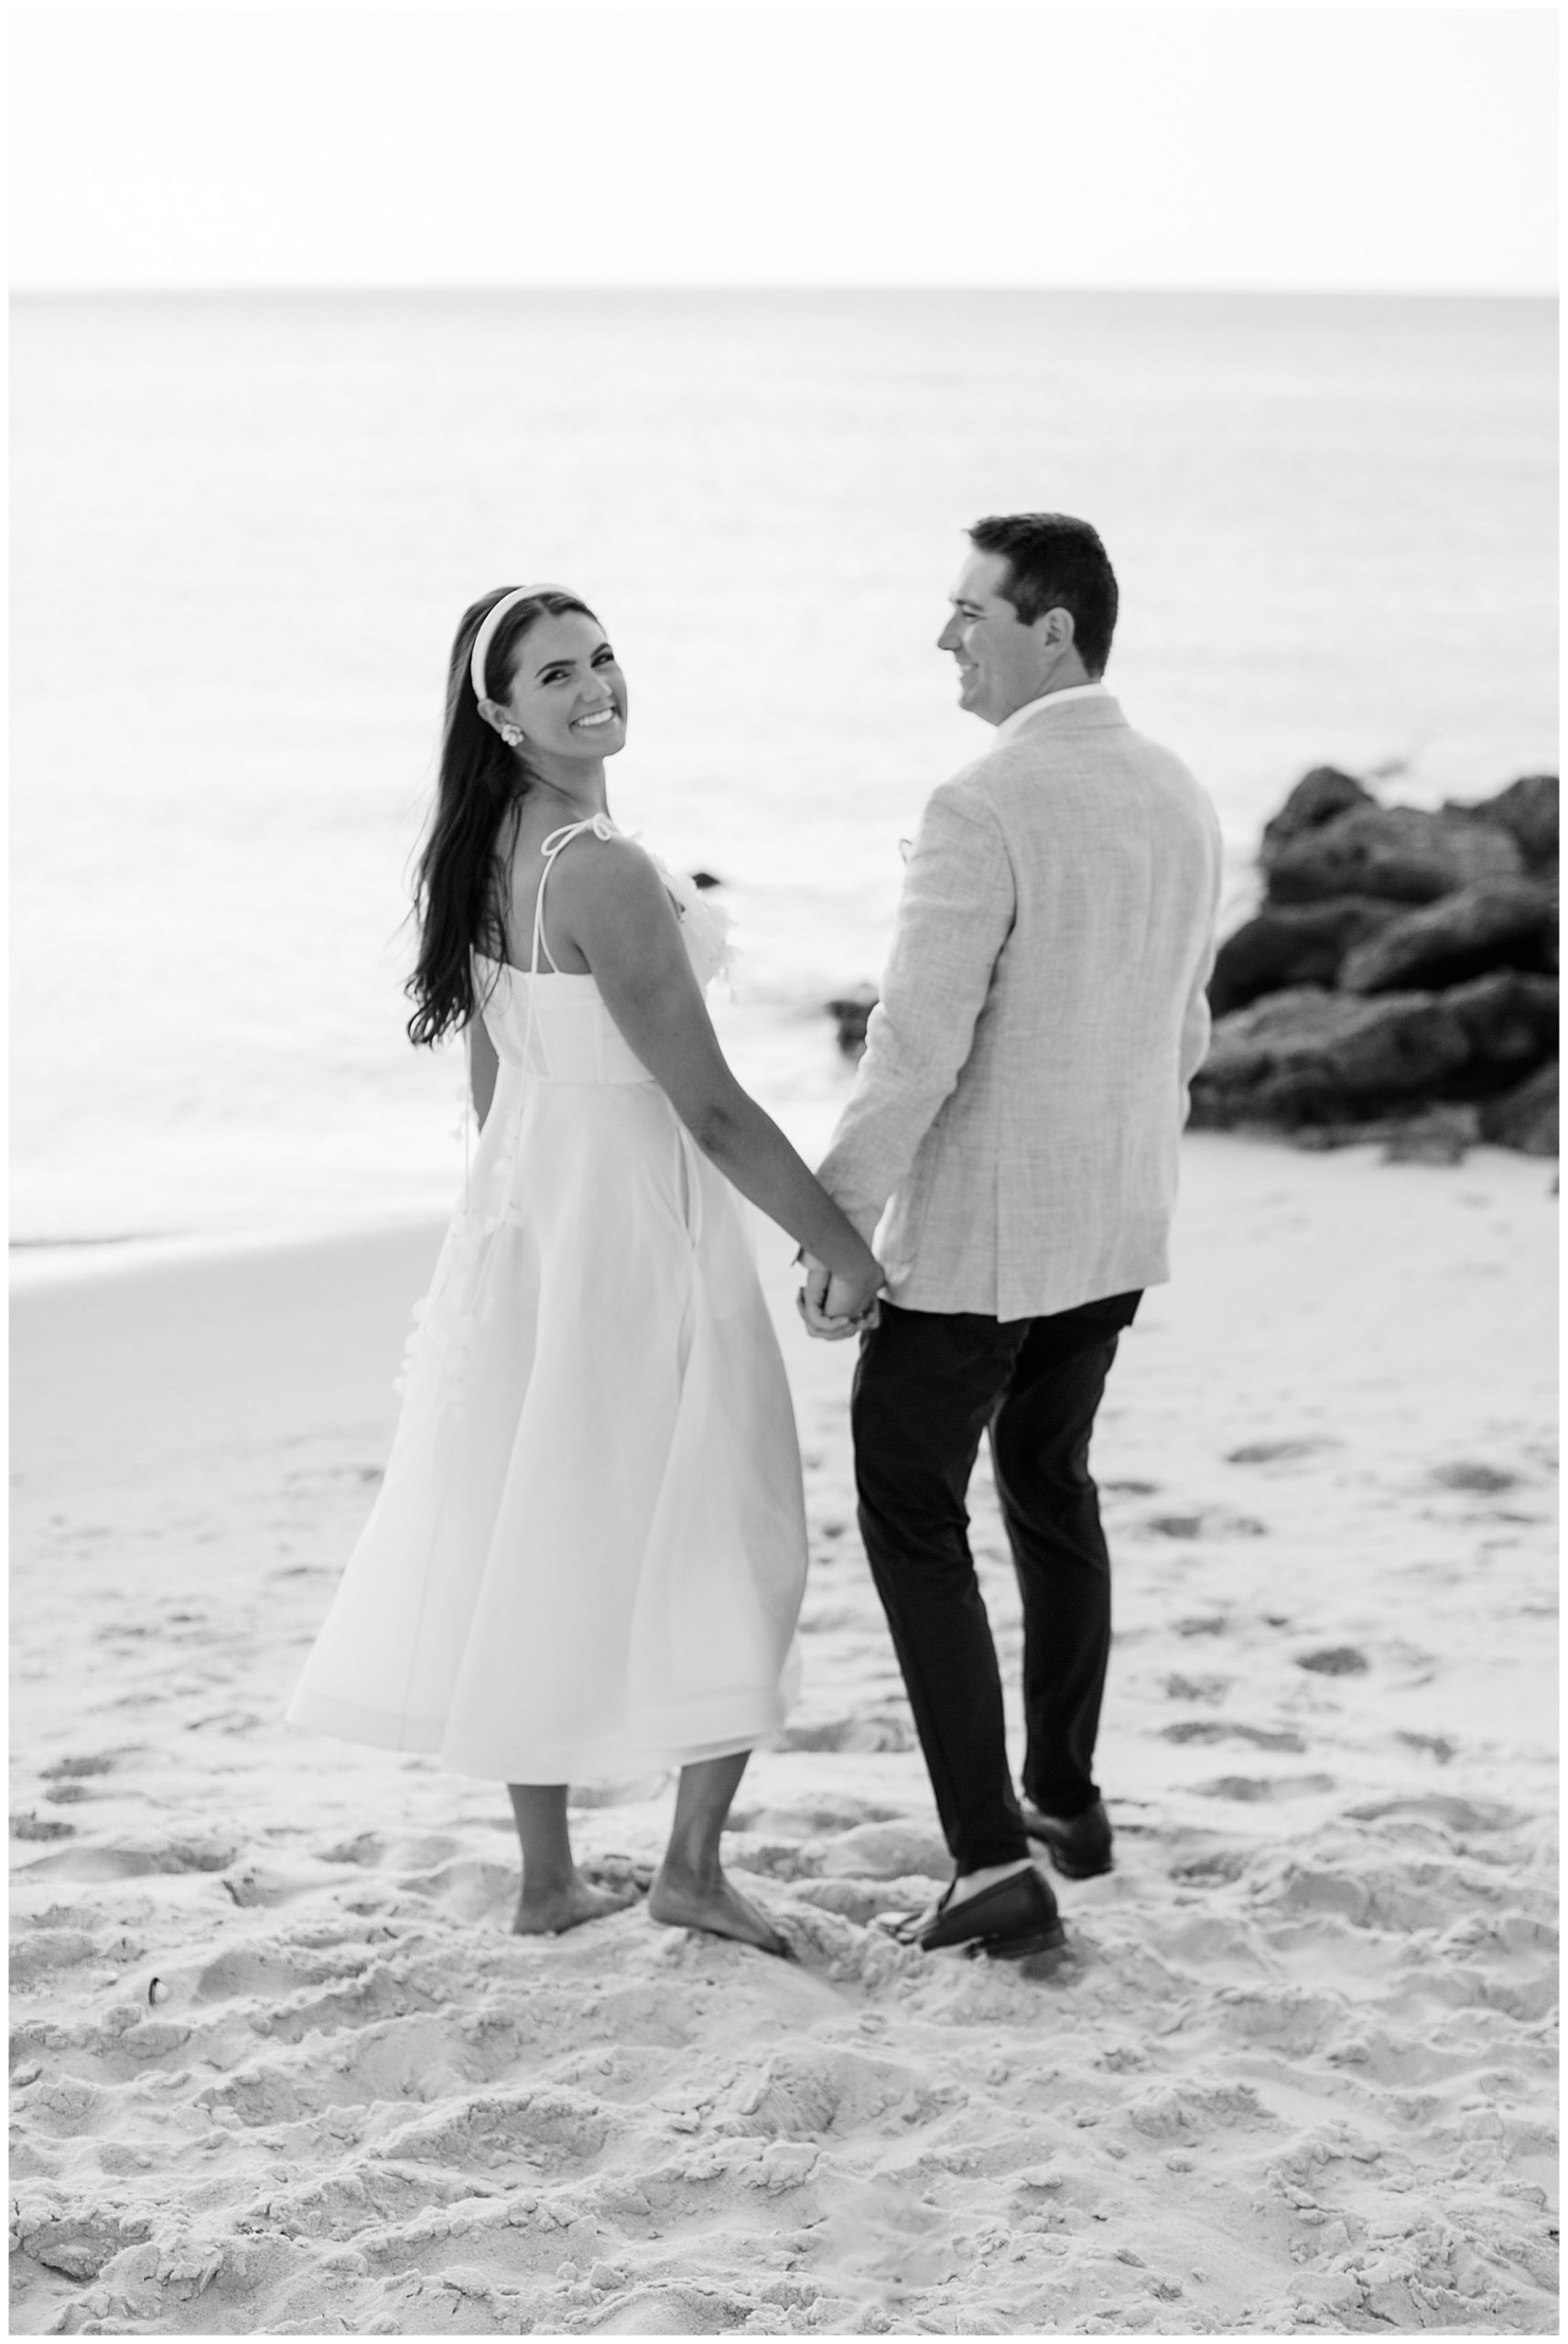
[[588, 1550]]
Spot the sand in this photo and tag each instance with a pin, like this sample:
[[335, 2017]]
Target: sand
[[278, 2067]]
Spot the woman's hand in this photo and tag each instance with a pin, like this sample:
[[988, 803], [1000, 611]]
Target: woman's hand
[[835, 1304]]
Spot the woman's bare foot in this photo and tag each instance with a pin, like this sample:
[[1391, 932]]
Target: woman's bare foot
[[567, 1905], [683, 1901]]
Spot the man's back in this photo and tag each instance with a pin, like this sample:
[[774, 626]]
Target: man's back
[[1041, 1017]]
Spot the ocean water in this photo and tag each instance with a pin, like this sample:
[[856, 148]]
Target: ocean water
[[244, 528]]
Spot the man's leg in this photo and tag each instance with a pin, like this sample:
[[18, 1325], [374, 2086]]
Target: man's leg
[[926, 1388], [1040, 1445]]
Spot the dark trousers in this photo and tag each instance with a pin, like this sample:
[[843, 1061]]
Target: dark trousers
[[928, 1384]]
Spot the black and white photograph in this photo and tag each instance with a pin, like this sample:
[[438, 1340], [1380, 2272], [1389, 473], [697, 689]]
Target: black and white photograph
[[784, 1169]]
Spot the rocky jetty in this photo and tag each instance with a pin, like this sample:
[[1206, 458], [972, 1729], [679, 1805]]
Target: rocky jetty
[[1400, 979]]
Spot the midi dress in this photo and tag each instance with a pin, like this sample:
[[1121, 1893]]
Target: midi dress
[[587, 1552]]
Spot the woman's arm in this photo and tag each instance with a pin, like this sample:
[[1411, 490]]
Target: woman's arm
[[608, 900], [484, 1066]]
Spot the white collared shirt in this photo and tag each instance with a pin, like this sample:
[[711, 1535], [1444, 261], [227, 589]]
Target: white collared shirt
[[1011, 724]]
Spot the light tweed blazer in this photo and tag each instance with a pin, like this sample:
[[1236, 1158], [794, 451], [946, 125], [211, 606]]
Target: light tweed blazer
[[1024, 1084]]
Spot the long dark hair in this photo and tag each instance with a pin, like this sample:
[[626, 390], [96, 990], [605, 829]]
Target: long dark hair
[[456, 893]]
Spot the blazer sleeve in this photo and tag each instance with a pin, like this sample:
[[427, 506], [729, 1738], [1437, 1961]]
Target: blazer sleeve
[[954, 916], [1196, 1021], [1196, 1025]]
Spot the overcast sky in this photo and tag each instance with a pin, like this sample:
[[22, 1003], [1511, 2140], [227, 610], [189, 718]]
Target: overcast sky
[[1364, 148]]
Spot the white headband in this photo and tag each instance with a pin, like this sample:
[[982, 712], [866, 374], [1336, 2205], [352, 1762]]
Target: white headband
[[492, 620]]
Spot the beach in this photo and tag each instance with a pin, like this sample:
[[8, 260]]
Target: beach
[[278, 2067]]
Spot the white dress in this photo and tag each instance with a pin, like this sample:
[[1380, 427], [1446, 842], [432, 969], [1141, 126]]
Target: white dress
[[589, 1551]]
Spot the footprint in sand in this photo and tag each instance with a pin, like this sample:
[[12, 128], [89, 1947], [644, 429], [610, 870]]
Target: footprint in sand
[[528, 2123], [1488, 1480], [1260, 1790], [366, 1848], [1436, 1745], [1335, 1660], [1197, 1688], [630, 1791], [269, 1971], [1278, 1452], [1216, 1867], [814, 1815], [1210, 1730], [861, 1900], [886, 1731], [1438, 1807], [44, 1953], [1207, 1522], [883, 1851], [469, 1888], [254, 1886], [1183, 2112], [827, 1619]]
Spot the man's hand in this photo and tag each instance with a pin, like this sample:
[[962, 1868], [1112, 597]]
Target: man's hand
[[827, 1304]]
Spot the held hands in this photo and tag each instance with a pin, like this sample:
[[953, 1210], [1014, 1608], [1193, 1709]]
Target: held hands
[[833, 1306]]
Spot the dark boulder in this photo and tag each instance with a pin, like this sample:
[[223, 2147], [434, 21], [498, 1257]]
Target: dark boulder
[[1318, 798], [1525, 1118], [1292, 944], [703, 880], [1395, 851], [852, 1011], [1496, 923], [1312, 1057], [1509, 1019], [1526, 810]]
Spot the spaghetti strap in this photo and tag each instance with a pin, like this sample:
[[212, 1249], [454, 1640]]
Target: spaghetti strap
[[603, 827]]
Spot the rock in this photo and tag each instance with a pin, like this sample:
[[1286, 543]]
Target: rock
[[1526, 810], [852, 1011], [1509, 1020], [1525, 1118], [1292, 944], [1396, 851], [1495, 923], [1416, 1135], [1318, 798], [703, 880], [1309, 1056], [1436, 1136]]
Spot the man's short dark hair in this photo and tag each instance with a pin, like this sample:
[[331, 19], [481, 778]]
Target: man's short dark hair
[[1056, 563]]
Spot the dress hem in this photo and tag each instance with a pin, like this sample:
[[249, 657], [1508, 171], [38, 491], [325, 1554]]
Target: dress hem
[[314, 1712]]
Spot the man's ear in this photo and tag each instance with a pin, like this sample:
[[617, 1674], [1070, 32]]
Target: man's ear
[[1056, 629]]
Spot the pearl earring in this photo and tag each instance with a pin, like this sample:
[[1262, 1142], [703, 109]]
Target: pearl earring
[[511, 736]]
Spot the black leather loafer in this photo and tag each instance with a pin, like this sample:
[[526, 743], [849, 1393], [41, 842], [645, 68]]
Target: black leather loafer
[[1078, 1847], [1010, 1918]]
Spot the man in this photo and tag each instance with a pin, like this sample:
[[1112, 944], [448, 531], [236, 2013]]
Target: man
[[1020, 1103]]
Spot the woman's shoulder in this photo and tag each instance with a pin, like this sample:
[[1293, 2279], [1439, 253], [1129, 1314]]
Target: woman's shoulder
[[603, 883], [603, 858]]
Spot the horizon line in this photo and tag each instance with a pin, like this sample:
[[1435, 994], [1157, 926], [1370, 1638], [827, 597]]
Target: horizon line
[[296, 289]]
